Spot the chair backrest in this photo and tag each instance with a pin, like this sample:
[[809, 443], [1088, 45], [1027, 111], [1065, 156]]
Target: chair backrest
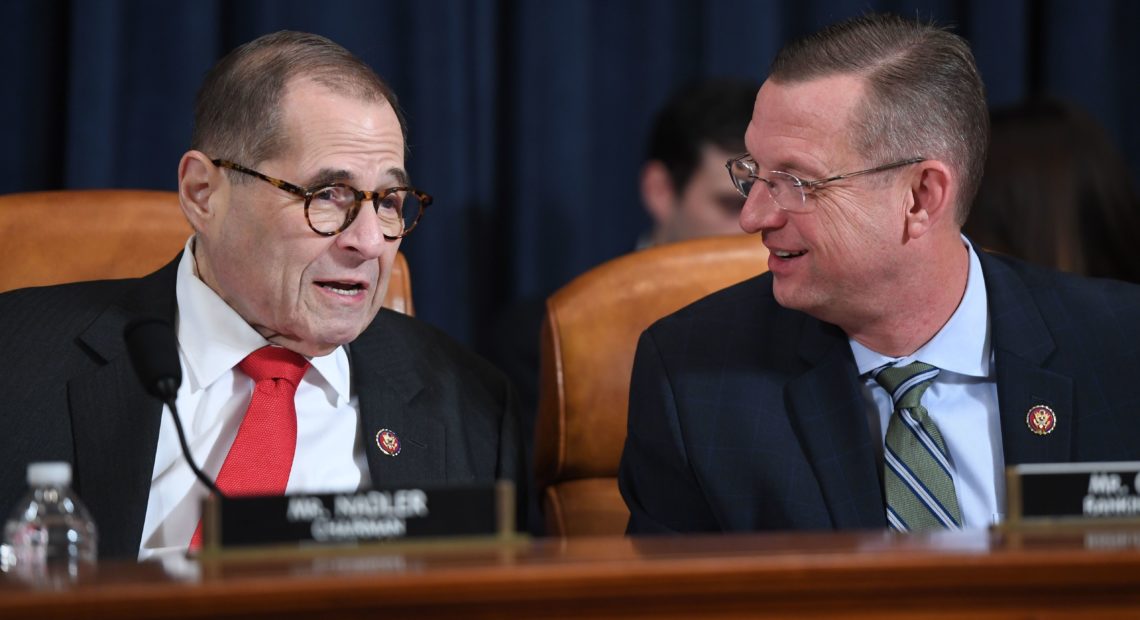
[[589, 337], [73, 235]]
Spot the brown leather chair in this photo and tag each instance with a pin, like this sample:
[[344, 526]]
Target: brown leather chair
[[73, 235], [589, 337]]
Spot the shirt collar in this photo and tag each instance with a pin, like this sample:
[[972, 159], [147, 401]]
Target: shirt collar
[[959, 347], [214, 338]]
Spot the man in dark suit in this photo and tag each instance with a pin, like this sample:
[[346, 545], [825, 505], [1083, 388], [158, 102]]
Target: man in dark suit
[[290, 260], [884, 371]]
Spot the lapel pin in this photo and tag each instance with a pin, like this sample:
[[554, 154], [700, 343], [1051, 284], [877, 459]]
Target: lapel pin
[[388, 442], [1041, 419]]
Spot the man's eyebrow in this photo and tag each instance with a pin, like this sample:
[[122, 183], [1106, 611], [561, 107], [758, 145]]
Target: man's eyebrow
[[334, 175], [329, 175], [793, 166], [400, 175]]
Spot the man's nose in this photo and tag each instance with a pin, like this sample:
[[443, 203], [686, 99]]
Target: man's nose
[[364, 235], [760, 211]]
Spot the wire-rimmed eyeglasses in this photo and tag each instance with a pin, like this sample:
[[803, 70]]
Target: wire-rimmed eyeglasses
[[788, 191], [332, 207]]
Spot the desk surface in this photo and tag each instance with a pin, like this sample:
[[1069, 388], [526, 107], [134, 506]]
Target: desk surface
[[865, 575]]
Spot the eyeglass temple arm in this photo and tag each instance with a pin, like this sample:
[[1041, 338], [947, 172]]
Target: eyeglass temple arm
[[897, 164], [278, 183]]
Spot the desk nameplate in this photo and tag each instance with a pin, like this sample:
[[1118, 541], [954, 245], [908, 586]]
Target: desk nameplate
[[412, 513], [1058, 493]]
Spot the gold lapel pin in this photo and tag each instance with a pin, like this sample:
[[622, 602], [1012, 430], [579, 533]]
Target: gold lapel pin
[[1041, 419], [388, 442]]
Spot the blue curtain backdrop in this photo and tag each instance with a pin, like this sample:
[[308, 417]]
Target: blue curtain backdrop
[[527, 118]]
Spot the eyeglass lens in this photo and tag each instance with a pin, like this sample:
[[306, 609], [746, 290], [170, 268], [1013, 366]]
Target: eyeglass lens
[[784, 188], [330, 208]]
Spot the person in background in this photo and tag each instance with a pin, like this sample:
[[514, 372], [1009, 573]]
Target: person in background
[[294, 377], [1056, 192], [685, 192], [682, 180], [885, 370]]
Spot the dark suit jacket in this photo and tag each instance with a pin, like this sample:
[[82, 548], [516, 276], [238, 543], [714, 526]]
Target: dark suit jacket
[[745, 416], [68, 392]]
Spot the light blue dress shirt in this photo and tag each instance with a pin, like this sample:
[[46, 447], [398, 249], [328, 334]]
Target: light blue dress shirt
[[962, 400]]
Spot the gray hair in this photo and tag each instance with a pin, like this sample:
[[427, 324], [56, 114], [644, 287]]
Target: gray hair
[[924, 94], [237, 114]]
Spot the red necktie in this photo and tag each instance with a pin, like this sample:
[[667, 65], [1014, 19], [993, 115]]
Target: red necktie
[[261, 457]]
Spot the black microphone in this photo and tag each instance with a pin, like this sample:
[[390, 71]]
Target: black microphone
[[154, 354], [153, 349]]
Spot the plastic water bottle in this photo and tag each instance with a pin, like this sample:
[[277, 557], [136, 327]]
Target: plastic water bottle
[[51, 535]]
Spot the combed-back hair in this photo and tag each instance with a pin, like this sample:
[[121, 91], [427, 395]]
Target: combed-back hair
[[237, 114], [924, 95]]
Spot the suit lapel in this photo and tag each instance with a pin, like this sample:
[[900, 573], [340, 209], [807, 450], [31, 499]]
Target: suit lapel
[[827, 411], [390, 383], [1021, 344], [114, 422], [115, 431]]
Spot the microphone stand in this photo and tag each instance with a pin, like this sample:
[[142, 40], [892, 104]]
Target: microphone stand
[[202, 477], [153, 350]]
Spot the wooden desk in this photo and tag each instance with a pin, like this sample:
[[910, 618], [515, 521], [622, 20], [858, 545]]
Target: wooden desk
[[871, 575]]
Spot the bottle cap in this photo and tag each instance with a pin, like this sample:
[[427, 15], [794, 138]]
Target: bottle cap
[[49, 473]]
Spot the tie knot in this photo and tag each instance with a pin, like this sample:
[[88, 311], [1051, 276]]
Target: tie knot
[[906, 384], [274, 363]]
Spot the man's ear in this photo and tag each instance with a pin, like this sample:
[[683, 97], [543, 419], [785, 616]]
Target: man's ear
[[198, 180], [932, 192], [658, 193]]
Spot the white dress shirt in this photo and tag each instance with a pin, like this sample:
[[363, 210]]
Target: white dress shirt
[[962, 400], [212, 340]]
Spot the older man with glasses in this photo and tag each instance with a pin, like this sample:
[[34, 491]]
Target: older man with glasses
[[885, 371], [295, 379]]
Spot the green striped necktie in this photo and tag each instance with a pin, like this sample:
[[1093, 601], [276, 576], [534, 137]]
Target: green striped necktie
[[917, 473]]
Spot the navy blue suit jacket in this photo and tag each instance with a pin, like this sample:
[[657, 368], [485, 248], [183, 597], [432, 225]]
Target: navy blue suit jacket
[[747, 416], [68, 392]]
